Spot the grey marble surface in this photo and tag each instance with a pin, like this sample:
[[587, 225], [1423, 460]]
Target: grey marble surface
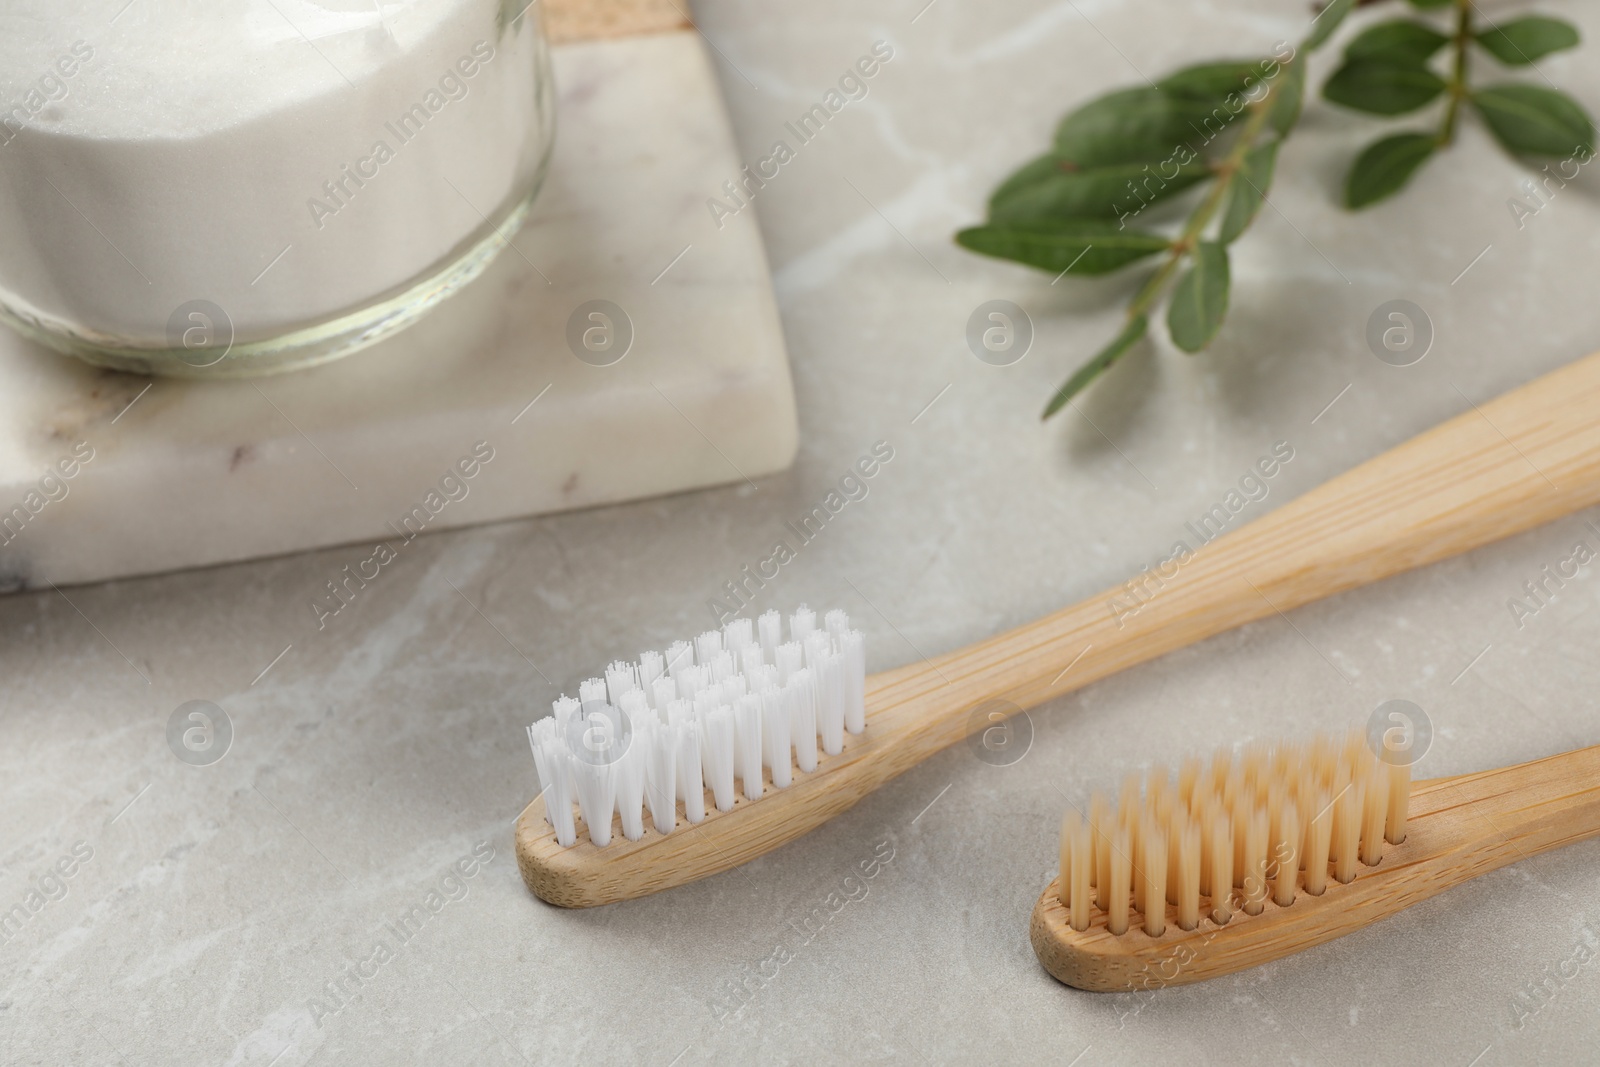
[[378, 752]]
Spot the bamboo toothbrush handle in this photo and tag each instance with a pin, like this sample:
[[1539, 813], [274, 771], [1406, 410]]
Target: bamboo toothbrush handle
[[1478, 822], [1497, 469], [1458, 828]]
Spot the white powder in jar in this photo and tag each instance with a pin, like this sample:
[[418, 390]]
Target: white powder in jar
[[289, 160]]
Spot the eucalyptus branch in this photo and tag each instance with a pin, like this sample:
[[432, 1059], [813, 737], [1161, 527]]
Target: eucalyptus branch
[[1227, 172], [1068, 211], [1457, 86]]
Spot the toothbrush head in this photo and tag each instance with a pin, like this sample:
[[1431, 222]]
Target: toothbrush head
[[1233, 862], [684, 737]]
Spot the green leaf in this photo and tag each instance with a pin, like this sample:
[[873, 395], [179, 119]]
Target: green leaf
[[1521, 41], [1085, 246], [1093, 192], [1382, 88], [1030, 173], [1212, 81], [1530, 120], [1091, 370], [1142, 125], [1247, 191], [1385, 165], [1401, 41], [1290, 95], [1325, 23], [1430, 5], [1200, 299]]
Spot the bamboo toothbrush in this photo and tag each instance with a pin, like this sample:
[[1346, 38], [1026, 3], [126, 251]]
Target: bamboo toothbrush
[[1247, 860], [1497, 469]]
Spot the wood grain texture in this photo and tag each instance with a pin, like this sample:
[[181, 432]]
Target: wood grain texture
[[1495, 470], [1461, 827], [566, 21]]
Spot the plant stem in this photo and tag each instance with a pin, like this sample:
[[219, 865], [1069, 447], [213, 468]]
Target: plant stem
[[1457, 86], [1227, 170]]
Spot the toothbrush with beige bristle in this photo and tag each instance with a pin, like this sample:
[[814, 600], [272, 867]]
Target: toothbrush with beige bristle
[[1497, 469], [1246, 860]]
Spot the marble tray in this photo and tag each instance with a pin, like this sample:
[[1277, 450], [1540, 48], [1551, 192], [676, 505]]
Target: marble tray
[[168, 474]]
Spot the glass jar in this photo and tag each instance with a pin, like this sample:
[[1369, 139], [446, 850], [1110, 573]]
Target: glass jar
[[222, 188]]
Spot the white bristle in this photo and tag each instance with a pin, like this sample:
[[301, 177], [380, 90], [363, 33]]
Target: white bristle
[[802, 699], [661, 774], [651, 667], [802, 623], [735, 708], [1245, 834], [776, 737], [630, 789], [691, 680], [680, 657], [747, 737], [541, 766], [738, 635], [691, 781], [558, 792], [620, 678], [597, 792], [762, 677], [829, 673], [664, 692], [770, 627], [732, 688], [635, 708], [705, 702], [790, 657], [716, 754], [853, 652], [837, 623]]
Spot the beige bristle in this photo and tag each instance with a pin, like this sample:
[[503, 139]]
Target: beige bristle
[[1188, 778], [1129, 804], [1097, 806], [1100, 825], [1283, 758], [1187, 848], [1394, 830], [1221, 769], [1355, 747], [1070, 822], [1120, 874], [1240, 817], [1081, 859], [1319, 839], [1285, 851], [1375, 808], [1347, 832], [1173, 823], [1253, 763], [1255, 858], [1231, 834], [1157, 785], [1221, 852], [1155, 879]]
